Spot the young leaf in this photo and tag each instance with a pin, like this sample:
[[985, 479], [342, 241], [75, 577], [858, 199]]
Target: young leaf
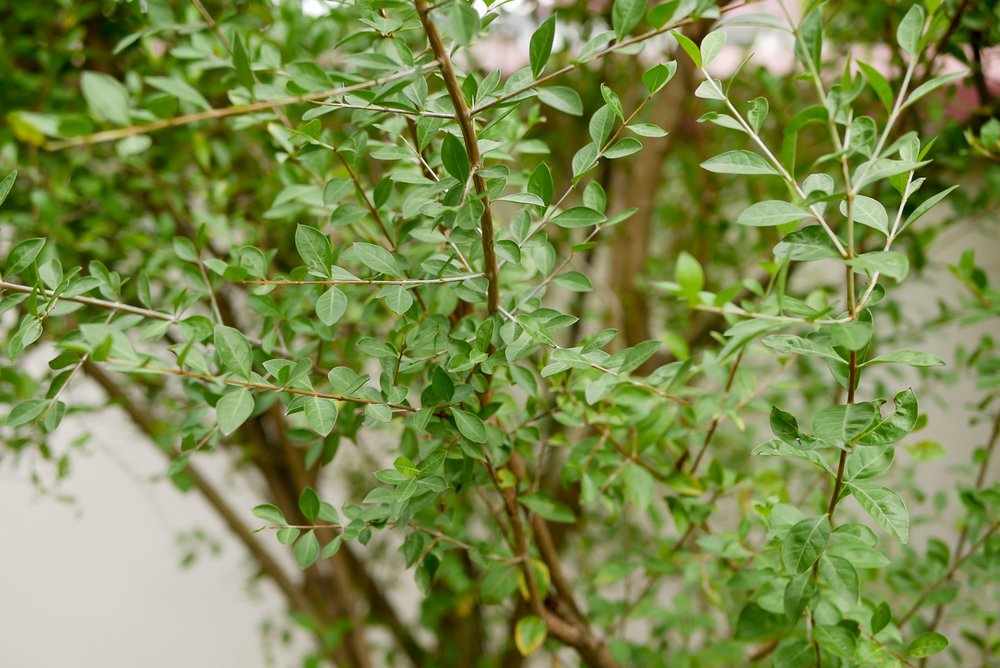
[[711, 45], [689, 276], [657, 76], [911, 29], [321, 413], [23, 255], [927, 644], [314, 248], [771, 212], [530, 631], [888, 263], [469, 425], [913, 358], [805, 543], [885, 506], [306, 550], [309, 504], [182, 90], [241, 61], [374, 257], [233, 409], [738, 162], [454, 158], [331, 305], [269, 513], [6, 185], [233, 350], [579, 216], [690, 48], [547, 507], [625, 15], [106, 97], [878, 83], [562, 98], [868, 212], [541, 45]]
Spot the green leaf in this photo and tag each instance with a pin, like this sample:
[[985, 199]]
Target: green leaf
[[106, 97], [499, 582], [799, 590], [771, 212], [321, 413], [853, 335], [331, 305], [241, 61], [314, 248], [711, 45], [911, 29], [888, 263], [562, 98], [530, 631], [796, 345], [397, 298], [757, 113], [738, 162], [540, 183], [647, 130], [657, 76], [927, 644], [625, 15], [926, 206], [840, 425], [689, 276], [454, 158], [794, 654], [907, 357], [878, 83], [233, 350], [804, 543], [868, 212], [574, 281], [23, 255], [269, 513], [463, 22], [547, 507], [601, 124], [541, 45], [470, 425], [623, 147], [867, 463], [306, 550], [837, 640], [309, 504], [374, 257], [930, 86], [233, 409], [29, 331], [6, 185], [182, 90], [881, 617], [885, 506], [690, 48], [579, 216], [895, 427], [26, 412]]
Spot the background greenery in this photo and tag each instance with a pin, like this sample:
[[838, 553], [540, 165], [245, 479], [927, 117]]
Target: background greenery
[[562, 454]]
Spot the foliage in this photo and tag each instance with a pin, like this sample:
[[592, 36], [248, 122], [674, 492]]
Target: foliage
[[370, 270]]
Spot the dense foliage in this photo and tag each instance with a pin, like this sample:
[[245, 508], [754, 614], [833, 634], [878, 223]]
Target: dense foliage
[[387, 281]]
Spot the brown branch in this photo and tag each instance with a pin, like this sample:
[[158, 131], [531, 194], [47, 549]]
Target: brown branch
[[464, 117], [213, 114]]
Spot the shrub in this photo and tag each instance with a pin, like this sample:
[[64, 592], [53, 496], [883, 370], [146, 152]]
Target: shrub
[[373, 273]]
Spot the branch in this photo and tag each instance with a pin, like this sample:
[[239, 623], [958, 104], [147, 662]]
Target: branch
[[240, 109], [464, 118]]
